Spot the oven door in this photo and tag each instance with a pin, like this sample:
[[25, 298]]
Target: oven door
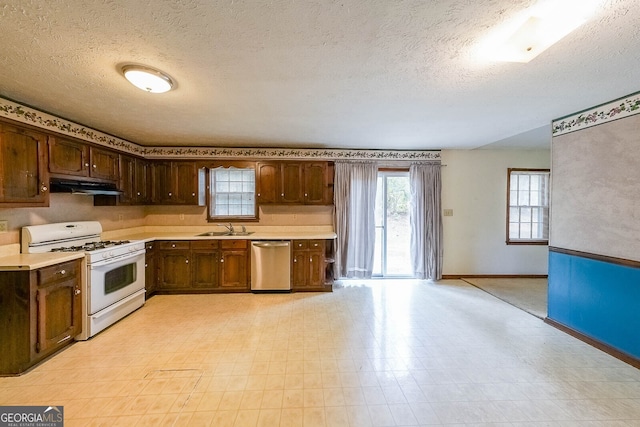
[[110, 281]]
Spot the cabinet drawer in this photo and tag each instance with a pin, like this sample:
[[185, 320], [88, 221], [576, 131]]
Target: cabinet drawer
[[204, 244], [300, 244], [316, 244], [55, 273], [180, 244], [233, 244]]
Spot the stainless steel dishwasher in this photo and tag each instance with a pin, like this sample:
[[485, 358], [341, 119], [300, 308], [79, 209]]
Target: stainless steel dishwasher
[[271, 265]]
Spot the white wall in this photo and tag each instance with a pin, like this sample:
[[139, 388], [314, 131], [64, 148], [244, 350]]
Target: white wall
[[474, 185]]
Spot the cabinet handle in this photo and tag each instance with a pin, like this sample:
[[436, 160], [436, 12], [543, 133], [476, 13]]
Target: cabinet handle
[[62, 272], [76, 292]]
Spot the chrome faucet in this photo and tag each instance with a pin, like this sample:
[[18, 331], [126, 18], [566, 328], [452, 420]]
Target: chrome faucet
[[228, 227]]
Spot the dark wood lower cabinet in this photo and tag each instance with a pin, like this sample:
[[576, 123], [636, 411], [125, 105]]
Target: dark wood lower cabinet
[[150, 269], [40, 312], [308, 265], [203, 266]]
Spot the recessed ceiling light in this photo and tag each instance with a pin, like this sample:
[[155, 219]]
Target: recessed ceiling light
[[147, 78], [536, 29]]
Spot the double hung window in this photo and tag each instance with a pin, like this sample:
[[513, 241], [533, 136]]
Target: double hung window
[[232, 193], [528, 206]]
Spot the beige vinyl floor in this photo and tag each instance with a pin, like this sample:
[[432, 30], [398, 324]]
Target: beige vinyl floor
[[376, 353], [528, 294]]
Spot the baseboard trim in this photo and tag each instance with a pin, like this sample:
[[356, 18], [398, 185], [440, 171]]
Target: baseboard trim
[[626, 358], [495, 276]]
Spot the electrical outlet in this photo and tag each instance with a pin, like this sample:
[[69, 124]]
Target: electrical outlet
[[448, 212], [4, 226], [181, 217]]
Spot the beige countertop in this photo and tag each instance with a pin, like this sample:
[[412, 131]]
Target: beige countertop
[[21, 262], [17, 261]]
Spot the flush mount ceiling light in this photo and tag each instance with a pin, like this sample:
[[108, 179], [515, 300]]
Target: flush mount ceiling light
[[147, 78], [537, 29]]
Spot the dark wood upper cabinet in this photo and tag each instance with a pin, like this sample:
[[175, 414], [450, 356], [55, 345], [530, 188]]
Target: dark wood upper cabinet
[[316, 184], [177, 183], [104, 164], [24, 180], [127, 183], [294, 183], [68, 157], [291, 183], [267, 174], [142, 187], [72, 158]]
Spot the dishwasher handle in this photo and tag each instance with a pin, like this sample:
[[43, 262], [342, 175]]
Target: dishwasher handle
[[270, 244]]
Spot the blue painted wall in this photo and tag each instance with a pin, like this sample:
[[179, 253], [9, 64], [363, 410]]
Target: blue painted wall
[[597, 298]]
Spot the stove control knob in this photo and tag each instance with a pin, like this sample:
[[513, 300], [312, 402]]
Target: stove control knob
[[105, 255]]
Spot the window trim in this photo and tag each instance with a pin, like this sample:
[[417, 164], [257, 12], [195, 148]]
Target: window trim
[[509, 241]]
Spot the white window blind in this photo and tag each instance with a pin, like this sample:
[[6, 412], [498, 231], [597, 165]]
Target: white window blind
[[232, 192]]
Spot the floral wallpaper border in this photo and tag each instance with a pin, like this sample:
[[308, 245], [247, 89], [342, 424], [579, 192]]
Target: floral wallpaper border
[[620, 108], [24, 114]]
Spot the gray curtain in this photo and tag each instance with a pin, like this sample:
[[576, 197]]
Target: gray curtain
[[355, 199], [426, 221]]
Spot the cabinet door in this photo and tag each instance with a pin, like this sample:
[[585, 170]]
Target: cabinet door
[[150, 269], [59, 314], [267, 189], [162, 191], [205, 269], [68, 157], [142, 186], [126, 183], [23, 175], [104, 164], [234, 269], [315, 179], [175, 270], [299, 269], [184, 178], [291, 183], [316, 269]]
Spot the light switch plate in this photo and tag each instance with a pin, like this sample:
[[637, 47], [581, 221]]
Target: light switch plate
[[447, 212], [4, 226]]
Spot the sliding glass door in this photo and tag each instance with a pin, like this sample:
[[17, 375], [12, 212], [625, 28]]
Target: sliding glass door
[[392, 256]]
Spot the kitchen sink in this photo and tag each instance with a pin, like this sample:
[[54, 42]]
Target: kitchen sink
[[226, 233]]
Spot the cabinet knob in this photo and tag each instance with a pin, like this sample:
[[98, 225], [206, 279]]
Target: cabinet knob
[[62, 272], [76, 292], [146, 265], [282, 194], [86, 165], [305, 194], [295, 260], [310, 259], [258, 194], [186, 261], [170, 194], [44, 188], [173, 245], [193, 194], [94, 166], [138, 193], [221, 259]]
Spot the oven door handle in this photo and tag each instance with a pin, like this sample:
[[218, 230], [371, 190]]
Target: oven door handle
[[105, 262]]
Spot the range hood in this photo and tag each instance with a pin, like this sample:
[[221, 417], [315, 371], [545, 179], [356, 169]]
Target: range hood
[[83, 188]]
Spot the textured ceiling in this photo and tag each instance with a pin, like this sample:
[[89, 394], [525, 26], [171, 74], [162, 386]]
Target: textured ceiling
[[336, 74]]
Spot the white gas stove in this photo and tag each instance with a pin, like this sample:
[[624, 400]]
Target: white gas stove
[[114, 282]]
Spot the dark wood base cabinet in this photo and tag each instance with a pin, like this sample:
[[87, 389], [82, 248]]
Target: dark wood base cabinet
[[309, 265], [40, 312], [201, 266]]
